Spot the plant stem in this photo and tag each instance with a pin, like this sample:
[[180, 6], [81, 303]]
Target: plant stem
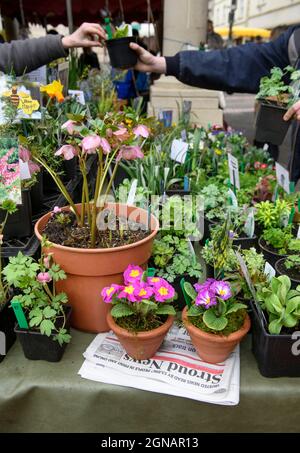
[[96, 195]]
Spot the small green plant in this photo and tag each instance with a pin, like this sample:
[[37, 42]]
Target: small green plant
[[292, 262], [281, 303], [34, 281], [214, 309], [121, 32], [273, 215], [274, 86], [279, 239], [172, 258]]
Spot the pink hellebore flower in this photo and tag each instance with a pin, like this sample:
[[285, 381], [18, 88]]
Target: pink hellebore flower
[[105, 146], [24, 154], [91, 143], [130, 153], [44, 277], [1, 239], [109, 291], [122, 134], [67, 151], [141, 131], [132, 274], [69, 126]]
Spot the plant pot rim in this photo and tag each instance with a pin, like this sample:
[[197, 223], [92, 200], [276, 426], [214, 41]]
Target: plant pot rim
[[124, 38], [273, 104], [141, 335], [278, 262], [99, 250], [216, 338], [265, 247]]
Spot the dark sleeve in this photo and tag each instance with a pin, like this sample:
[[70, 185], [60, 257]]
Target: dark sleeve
[[19, 57], [237, 69]]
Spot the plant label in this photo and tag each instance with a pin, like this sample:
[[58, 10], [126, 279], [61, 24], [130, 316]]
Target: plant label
[[192, 250], [249, 226], [24, 170], [234, 174], [39, 76], [132, 192], [186, 183], [184, 135], [179, 151], [283, 177], [166, 116], [78, 95], [232, 198], [246, 274], [298, 234], [19, 313], [269, 271], [10, 181]]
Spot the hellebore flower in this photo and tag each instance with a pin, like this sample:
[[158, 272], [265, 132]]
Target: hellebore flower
[[130, 153], [1, 239], [56, 210], [67, 151], [206, 298], [44, 277], [132, 274], [221, 289], [163, 291], [109, 291], [122, 134], [69, 126], [91, 143], [25, 156], [128, 292], [141, 131], [105, 146]]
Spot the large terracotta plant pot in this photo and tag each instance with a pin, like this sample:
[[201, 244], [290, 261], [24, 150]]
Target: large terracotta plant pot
[[141, 345], [214, 348], [90, 270]]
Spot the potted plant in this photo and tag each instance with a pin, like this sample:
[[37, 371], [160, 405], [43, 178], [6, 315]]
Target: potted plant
[[6, 313], [215, 321], [290, 266], [272, 329], [45, 310], [275, 96], [141, 313], [276, 243], [120, 54], [95, 241]]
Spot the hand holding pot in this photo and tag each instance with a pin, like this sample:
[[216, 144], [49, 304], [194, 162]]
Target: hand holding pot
[[293, 112], [148, 62]]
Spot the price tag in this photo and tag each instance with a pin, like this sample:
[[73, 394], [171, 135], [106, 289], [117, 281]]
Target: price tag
[[179, 150], [132, 192], [184, 135], [186, 183], [24, 170], [269, 271], [233, 199], [234, 174], [249, 226], [283, 177]]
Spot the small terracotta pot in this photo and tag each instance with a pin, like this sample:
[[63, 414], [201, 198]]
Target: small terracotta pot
[[90, 270], [141, 345], [214, 348]]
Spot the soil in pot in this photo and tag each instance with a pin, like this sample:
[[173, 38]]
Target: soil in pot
[[293, 274], [270, 125], [141, 345], [215, 348], [120, 54], [40, 347], [271, 255], [7, 323]]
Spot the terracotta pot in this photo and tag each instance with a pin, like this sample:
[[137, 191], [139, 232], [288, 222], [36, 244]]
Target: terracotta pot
[[141, 345], [214, 348], [90, 270]]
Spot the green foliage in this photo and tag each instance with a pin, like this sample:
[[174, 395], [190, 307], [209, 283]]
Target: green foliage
[[292, 262], [274, 86], [8, 206], [279, 239], [121, 32], [281, 303], [273, 215], [43, 307]]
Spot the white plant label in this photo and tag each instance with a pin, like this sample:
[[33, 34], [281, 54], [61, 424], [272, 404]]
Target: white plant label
[[234, 201], [269, 271], [298, 234], [132, 192], [283, 177], [78, 95], [24, 170], [249, 226], [184, 135], [179, 150], [234, 173]]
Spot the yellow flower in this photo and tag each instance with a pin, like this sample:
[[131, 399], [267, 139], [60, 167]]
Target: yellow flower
[[163, 291], [54, 90], [218, 152]]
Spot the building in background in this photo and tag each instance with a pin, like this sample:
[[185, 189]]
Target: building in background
[[256, 13]]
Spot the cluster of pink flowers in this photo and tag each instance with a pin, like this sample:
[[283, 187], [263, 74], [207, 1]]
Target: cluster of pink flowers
[[209, 292], [135, 289], [8, 172]]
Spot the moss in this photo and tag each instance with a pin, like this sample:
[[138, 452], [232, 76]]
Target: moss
[[235, 322], [137, 323]]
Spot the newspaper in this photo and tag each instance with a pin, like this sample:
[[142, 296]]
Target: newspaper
[[175, 369]]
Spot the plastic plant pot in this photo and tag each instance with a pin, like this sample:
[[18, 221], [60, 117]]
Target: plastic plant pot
[[37, 195], [19, 224], [281, 270], [270, 126], [120, 54], [7, 322], [269, 255]]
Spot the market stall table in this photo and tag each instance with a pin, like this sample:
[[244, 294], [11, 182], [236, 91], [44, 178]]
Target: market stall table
[[52, 397]]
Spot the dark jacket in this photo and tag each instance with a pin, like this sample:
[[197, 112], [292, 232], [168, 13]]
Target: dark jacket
[[19, 57], [239, 69]]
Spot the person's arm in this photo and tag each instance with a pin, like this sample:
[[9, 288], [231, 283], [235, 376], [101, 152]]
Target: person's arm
[[19, 57], [237, 69]]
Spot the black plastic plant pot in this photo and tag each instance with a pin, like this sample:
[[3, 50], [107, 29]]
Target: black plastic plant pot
[[120, 54], [270, 126], [7, 334], [281, 270], [275, 354], [245, 242], [180, 302], [40, 347], [210, 271], [206, 225], [179, 192], [37, 194], [268, 252], [70, 168], [19, 224]]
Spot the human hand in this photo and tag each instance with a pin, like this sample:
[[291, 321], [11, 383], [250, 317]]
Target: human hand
[[293, 112], [148, 62], [83, 36]]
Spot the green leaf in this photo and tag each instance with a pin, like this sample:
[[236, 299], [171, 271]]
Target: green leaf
[[35, 321], [289, 320], [214, 322], [236, 307], [166, 309], [48, 312], [195, 310], [120, 310], [275, 327], [62, 337], [46, 327], [190, 290], [273, 304]]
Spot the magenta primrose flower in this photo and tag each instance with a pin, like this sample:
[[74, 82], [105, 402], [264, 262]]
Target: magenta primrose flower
[[91, 143], [204, 286], [109, 291], [163, 291], [155, 280], [128, 292], [44, 277], [132, 274], [141, 131], [221, 289], [206, 298], [67, 152], [142, 291]]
